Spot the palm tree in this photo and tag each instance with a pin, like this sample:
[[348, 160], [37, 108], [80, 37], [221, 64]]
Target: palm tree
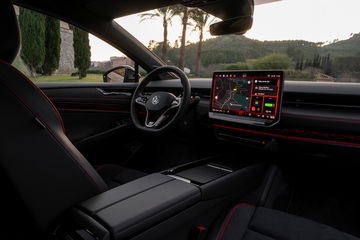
[[183, 13], [166, 14], [201, 20]]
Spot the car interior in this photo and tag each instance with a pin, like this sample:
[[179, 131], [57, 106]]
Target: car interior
[[167, 157]]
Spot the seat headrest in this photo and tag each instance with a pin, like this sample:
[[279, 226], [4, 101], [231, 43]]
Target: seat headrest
[[10, 39]]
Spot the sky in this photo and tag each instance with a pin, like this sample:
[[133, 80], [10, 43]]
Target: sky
[[311, 20]]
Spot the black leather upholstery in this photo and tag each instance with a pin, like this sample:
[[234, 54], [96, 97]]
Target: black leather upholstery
[[49, 174], [115, 175], [246, 222], [137, 206]]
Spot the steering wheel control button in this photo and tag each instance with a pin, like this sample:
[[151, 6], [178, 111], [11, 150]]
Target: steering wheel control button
[[141, 100]]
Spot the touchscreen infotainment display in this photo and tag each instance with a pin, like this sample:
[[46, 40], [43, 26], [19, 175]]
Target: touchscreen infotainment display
[[250, 97]]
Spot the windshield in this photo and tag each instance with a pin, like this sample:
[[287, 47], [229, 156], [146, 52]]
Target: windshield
[[311, 40]]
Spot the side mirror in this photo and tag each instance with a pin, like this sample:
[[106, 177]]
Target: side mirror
[[122, 73]]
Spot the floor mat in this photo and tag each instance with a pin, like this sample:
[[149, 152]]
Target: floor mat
[[326, 192], [337, 210]]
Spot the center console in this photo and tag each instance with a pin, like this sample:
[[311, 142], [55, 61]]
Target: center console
[[162, 203]]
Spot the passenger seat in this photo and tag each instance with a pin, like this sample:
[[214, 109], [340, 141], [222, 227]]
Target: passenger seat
[[248, 222]]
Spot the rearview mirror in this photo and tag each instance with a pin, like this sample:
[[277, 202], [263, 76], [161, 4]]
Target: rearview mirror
[[237, 25], [122, 73]]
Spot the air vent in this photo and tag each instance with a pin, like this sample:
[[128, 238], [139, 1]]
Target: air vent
[[323, 101]]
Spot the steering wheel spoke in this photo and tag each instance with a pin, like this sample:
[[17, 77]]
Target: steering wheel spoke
[[176, 102], [155, 123]]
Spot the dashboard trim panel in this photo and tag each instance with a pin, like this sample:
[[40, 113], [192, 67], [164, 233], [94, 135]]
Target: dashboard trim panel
[[287, 137]]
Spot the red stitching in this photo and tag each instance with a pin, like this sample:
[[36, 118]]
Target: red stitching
[[201, 228], [229, 217], [92, 110], [41, 92], [96, 110]]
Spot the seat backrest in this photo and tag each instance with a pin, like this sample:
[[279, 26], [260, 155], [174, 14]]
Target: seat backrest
[[48, 173]]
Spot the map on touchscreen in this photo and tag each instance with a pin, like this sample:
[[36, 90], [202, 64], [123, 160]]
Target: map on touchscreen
[[233, 93]]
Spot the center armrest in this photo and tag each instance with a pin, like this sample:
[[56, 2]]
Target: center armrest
[[139, 204]]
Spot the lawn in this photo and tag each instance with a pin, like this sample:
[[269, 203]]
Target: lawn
[[67, 78]]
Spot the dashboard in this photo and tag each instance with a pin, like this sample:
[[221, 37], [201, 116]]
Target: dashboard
[[248, 97], [320, 113], [323, 113]]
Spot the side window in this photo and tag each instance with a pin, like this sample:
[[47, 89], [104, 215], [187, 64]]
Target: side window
[[55, 51]]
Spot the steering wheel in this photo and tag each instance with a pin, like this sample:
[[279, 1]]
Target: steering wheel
[[159, 104]]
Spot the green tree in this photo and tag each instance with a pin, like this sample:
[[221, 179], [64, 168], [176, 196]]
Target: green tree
[[300, 63], [52, 45], [217, 56], [273, 61], [237, 66], [32, 28], [81, 51], [347, 64], [183, 13], [166, 14], [327, 64], [294, 52], [201, 19], [316, 63]]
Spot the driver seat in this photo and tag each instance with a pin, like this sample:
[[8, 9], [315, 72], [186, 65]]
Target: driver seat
[[44, 169]]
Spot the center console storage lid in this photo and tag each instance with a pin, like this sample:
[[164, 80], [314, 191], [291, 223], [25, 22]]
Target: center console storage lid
[[138, 205], [118, 194]]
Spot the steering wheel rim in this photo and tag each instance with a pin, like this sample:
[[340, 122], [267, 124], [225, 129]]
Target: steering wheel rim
[[181, 103]]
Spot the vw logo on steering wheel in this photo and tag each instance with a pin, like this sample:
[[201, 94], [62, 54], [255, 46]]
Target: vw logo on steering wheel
[[155, 100]]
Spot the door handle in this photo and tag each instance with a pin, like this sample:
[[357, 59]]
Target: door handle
[[113, 93]]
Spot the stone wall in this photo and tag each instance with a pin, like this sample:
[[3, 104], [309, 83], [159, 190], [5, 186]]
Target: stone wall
[[66, 62]]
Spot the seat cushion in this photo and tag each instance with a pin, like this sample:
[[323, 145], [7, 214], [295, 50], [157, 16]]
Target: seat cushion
[[248, 222], [115, 175]]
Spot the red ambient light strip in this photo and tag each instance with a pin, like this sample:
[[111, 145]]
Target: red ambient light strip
[[287, 137]]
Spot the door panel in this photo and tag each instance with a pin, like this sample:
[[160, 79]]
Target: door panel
[[97, 118]]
